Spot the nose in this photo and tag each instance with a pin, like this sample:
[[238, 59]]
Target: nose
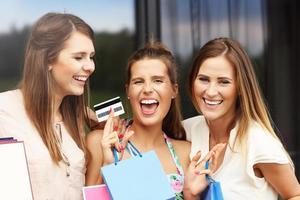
[[148, 87], [212, 89], [89, 66]]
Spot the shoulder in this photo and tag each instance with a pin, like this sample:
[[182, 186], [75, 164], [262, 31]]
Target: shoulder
[[182, 150], [181, 145], [10, 97], [192, 120], [93, 138], [260, 136], [263, 147], [192, 123]]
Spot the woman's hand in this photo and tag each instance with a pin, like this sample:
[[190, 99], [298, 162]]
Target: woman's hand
[[195, 181], [94, 124], [115, 135]]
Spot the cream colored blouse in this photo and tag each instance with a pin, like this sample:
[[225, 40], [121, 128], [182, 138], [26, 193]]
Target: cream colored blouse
[[236, 173], [49, 181]]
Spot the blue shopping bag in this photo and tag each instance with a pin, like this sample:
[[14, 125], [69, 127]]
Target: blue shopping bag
[[138, 178], [213, 190]]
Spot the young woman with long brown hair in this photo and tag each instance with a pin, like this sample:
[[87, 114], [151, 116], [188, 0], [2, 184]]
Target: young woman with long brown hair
[[49, 109]]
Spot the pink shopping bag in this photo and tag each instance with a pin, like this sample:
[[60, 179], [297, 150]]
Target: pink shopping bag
[[96, 192]]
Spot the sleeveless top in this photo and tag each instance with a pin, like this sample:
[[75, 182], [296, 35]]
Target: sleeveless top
[[176, 180]]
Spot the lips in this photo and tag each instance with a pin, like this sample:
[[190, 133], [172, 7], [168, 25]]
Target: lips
[[80, 78], [149, 106], [212, 102]]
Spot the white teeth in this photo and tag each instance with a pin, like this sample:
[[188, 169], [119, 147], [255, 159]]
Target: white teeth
[[80, 78], [150, 101], [211, 102]]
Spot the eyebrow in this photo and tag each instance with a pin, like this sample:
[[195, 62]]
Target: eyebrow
[[152, 77], [82, 53], [219, 78], [158, 77]]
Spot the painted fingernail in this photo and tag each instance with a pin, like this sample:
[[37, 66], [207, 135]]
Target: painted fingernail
[[122, 147], [121, 135], [116, 128]]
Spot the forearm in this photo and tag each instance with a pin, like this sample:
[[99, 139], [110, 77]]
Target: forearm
[[295, 198], [188, 195]]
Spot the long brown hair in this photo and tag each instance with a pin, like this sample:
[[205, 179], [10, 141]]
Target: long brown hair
[[250, 103], [46, 40], [155, 50]]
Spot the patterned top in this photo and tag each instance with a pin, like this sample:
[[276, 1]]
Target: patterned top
[[176, 180]]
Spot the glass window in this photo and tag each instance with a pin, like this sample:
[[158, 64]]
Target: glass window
[[112, 21]]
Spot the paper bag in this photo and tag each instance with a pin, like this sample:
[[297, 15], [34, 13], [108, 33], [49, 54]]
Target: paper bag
[[213, 191], [137, 178], [14, 175], [96, 192]]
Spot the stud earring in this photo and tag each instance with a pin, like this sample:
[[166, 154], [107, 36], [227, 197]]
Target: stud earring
[[128, 97]]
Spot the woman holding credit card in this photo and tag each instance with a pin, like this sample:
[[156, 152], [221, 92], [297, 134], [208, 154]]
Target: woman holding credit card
[[48, 110], [152, 90]]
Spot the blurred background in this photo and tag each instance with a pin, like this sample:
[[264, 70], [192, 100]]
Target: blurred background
[[268, 29]]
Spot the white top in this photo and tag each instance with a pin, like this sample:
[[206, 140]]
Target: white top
[[236, 173], [49, 181]]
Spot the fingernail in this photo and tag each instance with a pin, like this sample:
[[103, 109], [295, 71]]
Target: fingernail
[[121, 135], [122, 147], [116, 128]]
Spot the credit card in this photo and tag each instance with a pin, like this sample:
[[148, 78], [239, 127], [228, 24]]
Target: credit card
[[103, 109]]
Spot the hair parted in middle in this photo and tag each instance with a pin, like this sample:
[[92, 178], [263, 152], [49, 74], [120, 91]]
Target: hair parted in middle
[[156, 50]]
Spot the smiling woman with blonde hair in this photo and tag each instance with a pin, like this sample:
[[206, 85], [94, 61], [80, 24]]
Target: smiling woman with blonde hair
[[224, 89]]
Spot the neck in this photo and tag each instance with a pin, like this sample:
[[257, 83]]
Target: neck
[[220, 129], [147, 138]]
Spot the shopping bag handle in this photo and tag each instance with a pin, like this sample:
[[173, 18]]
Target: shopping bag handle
[[116, 157], [209, 179]]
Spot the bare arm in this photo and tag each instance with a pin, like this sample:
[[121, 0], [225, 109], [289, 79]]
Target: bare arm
[[95, 160], [282, 178], [182, 149]]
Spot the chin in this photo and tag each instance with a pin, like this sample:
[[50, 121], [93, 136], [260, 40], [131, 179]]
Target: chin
[[77, 92], [149, 121], [210, 116]]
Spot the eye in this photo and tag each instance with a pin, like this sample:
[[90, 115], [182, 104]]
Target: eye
[[78, 57], [137, 82], [158, 81], [203, 79], [224, 82]]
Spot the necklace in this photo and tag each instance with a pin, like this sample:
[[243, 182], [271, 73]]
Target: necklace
[[65, 158]]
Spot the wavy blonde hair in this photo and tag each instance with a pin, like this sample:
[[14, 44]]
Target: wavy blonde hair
[[250, 103]]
